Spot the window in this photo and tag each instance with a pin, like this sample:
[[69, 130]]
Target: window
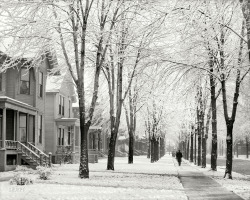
[[40, 84], [60, 136], [23, 126], [61, 105], [40, 124], [69, 135], [1, 78], [11, 159], [25, 81]]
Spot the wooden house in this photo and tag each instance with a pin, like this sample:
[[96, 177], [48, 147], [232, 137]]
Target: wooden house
[[62, 124], [22, 110], [62, 129]]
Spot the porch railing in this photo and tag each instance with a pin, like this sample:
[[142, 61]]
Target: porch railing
[[28, 152], [10, 144], [40, 153]]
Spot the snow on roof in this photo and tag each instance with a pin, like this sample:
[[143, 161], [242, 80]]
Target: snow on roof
[[54, 83]]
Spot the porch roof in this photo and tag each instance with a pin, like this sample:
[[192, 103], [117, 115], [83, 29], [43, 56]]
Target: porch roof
[[7, 102], [67, 121]]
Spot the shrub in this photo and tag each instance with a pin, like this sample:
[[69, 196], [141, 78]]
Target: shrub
[[21, 179], [44, 172]]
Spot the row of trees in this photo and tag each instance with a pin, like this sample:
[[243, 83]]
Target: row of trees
[[223, 67], [143, 52], [92, 40]]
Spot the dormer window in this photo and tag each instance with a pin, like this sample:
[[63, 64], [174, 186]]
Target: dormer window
[[25, 81], [40, 92]]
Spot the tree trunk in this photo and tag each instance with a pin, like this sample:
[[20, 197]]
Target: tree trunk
[[84, 167], [131, 148], [149, 147], [203, 139], [199, 151], [191, 148], [188, 149], [246, 146], [237, 150], [229, 156], [152, 149], [195, 146], [111, 153], [204, 146]]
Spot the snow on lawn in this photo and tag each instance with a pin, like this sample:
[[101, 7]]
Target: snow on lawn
[[240, 184], [141, 180]]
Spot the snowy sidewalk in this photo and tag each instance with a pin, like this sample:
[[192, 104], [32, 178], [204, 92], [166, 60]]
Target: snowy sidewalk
[[201, 187]]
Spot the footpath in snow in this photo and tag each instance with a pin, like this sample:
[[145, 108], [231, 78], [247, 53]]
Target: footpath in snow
[[141, 180], [199, 186]]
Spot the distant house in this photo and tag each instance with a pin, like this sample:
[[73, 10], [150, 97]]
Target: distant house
[[22, 110], [96, 140], [62, 129]]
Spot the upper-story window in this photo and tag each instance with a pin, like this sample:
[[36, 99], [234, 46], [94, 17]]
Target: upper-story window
[[40, 84], [61, 105], [1, 78], [25, 81]]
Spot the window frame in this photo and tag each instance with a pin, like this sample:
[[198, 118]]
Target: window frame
[[22, 80], [69, 135], [22, 127], [40, 84], [40, 128], [59, 137]]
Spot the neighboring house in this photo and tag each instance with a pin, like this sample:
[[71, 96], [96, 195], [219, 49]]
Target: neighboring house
[[96, 139], [62, 129], [22, 110]]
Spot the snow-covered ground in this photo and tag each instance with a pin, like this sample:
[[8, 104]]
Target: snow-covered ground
[[141, 180]]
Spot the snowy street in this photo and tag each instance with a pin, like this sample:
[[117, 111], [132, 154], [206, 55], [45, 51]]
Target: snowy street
[[141, 180]]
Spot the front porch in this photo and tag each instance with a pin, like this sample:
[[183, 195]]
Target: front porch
[[17, 132], [18, 153], [68, 141]]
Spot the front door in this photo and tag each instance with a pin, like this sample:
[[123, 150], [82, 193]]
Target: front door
[[10, 127], [23, 127]]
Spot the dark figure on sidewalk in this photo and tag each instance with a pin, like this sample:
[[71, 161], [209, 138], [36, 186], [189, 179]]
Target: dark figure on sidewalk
[[178, 157]]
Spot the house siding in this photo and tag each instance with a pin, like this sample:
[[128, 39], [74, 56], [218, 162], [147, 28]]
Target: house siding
[[11, 82], [50, 136], [3, 91]]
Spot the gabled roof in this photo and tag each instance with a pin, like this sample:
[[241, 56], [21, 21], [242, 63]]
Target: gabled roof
[[61, 83], [54, 83]]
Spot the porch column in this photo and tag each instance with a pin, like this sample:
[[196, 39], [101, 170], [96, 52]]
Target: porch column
[[27, 128], [73, 142], [96, 140], [17, 126], [4, 128]]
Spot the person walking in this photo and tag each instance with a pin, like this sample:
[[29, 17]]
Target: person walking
[[178, 157]]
